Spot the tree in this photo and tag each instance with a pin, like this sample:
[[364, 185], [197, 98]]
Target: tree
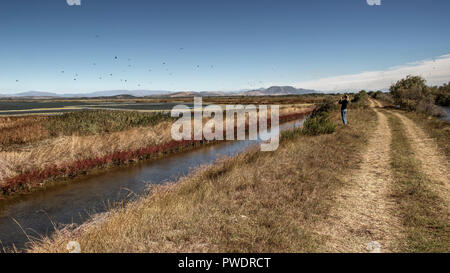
[[408, 92], [443, 95]]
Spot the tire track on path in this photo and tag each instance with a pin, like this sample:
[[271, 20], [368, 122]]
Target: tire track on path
[[433, 164], [365, 211]]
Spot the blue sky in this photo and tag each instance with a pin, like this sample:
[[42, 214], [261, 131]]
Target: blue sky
[[218, 44]]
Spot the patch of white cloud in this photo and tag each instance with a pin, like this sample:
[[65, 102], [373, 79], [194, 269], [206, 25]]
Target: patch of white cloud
[[436, 72]]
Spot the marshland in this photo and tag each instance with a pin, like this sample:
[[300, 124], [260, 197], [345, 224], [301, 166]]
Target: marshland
[[114, 181]]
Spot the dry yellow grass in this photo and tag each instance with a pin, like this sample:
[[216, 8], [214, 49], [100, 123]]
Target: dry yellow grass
[[62, 150], [19, 130], [255, 202], [420, 188]]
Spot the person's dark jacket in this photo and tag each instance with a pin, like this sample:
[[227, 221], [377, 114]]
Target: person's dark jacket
[[343, 104]]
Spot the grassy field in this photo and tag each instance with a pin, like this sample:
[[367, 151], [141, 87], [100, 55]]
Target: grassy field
[[26, 130], [37, 149], [255, 202]]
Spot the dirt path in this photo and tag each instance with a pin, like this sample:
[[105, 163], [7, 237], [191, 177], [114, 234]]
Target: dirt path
[[365, 212], [433, 164]]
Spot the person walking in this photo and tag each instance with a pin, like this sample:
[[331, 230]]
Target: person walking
[[344, 101]]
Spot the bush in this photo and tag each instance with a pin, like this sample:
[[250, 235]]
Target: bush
[[428, 107], [443, 99], [413, 94], [328, 105], [442, 95], [318, 124], [360, 100], [409, 92]]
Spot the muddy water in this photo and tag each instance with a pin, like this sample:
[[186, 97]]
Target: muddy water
[[73, 202]]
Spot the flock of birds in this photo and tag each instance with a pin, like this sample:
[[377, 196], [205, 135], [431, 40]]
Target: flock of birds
[[116, 58]]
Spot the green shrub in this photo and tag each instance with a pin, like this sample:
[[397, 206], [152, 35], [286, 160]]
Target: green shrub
[[328, 105], [359, 100], [442, 94], [443, 99], [428, 107], [409, 92], [318, 124]]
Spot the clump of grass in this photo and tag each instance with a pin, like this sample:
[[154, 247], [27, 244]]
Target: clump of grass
[[319, 122], [424, 216], [101, 122], [319, 125]]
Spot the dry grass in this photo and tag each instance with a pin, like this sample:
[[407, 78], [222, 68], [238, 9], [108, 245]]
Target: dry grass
[[435, 128], [423, 210], [63, 150], [255, 202], [21, 130]]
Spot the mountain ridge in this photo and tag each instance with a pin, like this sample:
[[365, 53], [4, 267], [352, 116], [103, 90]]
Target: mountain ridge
[[271, 91]]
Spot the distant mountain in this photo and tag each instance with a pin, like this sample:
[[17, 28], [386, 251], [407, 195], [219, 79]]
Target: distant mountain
[[278, 90], [35, 94], [111, 93], [200, 94], [135, 93], [271, 91]]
